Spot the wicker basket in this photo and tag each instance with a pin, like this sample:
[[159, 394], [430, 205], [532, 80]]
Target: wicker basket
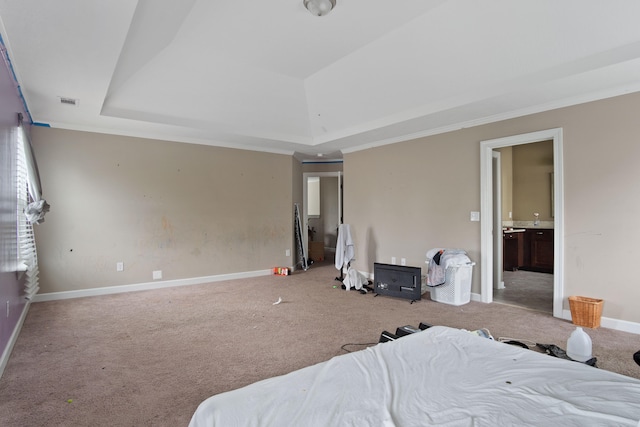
[[586, 311]]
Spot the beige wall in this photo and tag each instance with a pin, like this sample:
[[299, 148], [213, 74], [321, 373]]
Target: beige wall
[[188, 210], [526, 181], [406, 198], [506, 181], [532, 168], [195, 211]]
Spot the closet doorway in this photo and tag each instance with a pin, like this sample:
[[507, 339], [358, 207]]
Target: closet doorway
[[492, 267], [322, 213]]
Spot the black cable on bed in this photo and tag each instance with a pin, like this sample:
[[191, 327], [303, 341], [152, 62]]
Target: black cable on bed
[[368, 344]]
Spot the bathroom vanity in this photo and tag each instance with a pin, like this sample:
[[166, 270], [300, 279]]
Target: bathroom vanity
[[528, 249]]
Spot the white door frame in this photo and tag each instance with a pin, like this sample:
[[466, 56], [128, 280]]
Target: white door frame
[[305, 216], [498, 282], [486, 211]]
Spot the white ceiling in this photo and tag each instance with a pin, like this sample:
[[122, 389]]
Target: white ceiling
[[269, 76]]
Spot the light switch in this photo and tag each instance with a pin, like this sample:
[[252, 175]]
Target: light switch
[[475, 216]]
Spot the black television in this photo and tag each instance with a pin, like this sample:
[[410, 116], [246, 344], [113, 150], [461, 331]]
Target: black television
[[400, 281]]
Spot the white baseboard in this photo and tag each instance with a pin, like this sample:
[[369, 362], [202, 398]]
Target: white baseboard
[[605, 322], [14, 337], [52, 296]]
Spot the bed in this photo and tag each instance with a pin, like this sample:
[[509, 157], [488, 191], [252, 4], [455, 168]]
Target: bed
[[441, 376]]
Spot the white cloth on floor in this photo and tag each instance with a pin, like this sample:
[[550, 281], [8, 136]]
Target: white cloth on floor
[[354, 279], [345, 250]]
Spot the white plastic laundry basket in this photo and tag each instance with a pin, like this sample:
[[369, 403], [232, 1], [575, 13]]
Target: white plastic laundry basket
[[456, 289], [457, 286]]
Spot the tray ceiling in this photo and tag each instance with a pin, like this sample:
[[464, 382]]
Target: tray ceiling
[[270, 76]]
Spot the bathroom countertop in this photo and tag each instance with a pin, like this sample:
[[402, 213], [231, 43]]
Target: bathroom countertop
[[526, 224]]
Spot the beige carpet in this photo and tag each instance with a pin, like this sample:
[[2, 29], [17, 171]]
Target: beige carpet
[[149, 358]]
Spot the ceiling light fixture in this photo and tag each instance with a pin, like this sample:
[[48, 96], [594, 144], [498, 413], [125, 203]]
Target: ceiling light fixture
[[319, 7]]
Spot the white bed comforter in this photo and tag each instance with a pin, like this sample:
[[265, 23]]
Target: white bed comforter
[[441, 376]]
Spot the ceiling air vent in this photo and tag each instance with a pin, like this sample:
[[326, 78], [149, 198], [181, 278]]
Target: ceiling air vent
[[69, 101]]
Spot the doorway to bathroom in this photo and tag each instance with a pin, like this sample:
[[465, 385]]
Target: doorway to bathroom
[[528, 246], [523, 182]]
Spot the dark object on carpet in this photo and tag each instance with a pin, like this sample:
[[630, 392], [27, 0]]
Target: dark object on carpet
[[406, 330], [517, 343], [365, 288], [386, 336], [554, 350], [424, 325], [636, 357]]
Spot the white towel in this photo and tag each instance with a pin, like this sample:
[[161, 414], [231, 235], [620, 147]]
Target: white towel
[[345, 250], [354, 279]]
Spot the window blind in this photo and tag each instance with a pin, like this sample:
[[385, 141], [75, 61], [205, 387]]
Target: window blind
[[27, 254]]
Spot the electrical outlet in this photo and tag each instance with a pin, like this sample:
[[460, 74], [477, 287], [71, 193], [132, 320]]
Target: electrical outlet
[[120, 266], [393, 260], [403, 261], [157, 275], [287, 252]]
